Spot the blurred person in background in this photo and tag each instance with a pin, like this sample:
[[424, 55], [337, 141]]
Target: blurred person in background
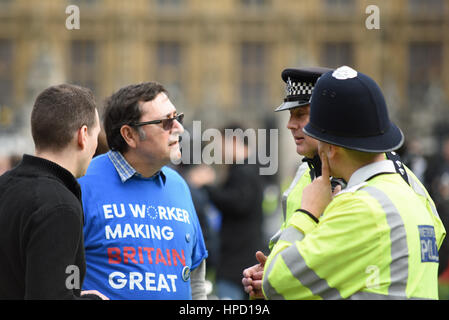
[[239, 199], [442, 202], [102, 144], [196, 174], [9, 162], [438, 165], [209, 216], [5, 164], [41, 217], [414, 159], [142, 235], [437, 177]]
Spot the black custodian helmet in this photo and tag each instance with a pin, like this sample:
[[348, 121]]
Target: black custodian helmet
[[348, 109]]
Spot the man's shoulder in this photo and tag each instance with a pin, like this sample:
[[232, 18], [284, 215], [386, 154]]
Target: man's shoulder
[[386, 185], [37, 191], [7, 179], [98, 163], [174, 181], [172, 175]]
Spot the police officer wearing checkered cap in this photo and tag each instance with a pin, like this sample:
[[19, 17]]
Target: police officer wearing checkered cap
[[300, 84], [299, 87]]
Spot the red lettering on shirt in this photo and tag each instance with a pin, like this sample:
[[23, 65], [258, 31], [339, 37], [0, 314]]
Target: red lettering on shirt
[[114, 255], [169, 257]]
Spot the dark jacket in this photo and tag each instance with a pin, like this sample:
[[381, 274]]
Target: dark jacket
[[41, 232], [240, 202]]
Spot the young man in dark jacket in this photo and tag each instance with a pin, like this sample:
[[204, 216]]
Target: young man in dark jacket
[[41, 217]]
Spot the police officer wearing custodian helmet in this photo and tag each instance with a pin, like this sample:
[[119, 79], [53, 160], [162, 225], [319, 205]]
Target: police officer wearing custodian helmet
[[376, 239]]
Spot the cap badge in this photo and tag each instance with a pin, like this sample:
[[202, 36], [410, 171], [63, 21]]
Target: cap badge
[[344, 73]]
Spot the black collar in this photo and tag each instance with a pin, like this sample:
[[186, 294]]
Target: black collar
[[51, 169]]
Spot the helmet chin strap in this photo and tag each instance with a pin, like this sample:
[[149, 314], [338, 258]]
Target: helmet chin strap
[[314, 165]]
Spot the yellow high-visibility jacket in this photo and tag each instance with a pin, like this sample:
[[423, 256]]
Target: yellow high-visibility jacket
[[291, 198], [378, 238]]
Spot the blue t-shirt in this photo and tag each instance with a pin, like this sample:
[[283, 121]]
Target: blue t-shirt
[[142, 236]]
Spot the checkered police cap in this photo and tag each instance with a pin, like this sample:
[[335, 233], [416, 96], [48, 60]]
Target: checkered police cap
[[299, 86]]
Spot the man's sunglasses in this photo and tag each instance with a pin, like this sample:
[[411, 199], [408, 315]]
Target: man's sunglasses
[[167, 124]]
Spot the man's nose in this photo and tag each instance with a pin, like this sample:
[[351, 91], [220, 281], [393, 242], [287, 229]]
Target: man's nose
[[178, 126], [291, 124]]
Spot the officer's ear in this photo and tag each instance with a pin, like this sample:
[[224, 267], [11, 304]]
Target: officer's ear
[[333, 151], [324, 147]]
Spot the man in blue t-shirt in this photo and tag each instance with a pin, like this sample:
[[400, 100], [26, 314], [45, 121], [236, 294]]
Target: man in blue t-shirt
[[142, 235]]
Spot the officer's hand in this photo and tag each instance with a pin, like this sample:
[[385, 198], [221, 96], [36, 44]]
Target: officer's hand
[[317, 195], [252, 277]]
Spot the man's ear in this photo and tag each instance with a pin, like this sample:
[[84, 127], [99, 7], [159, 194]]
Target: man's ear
[[82, 137], [129, 135], [332, 151]]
